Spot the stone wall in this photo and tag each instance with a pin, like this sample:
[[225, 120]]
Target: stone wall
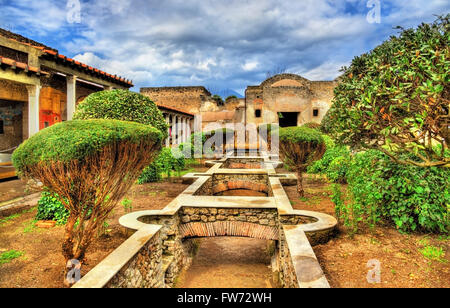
[[289, 93], [144, 270], [287, 276], [221, 182], [188, 99]]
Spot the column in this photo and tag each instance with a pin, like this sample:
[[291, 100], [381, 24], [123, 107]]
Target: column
[[174, 129], [33, 109], [168, 131], [184, 129], [188, 129], [71, 96]]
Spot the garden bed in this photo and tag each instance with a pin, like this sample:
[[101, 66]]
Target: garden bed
[[39, 261], [404, 258]]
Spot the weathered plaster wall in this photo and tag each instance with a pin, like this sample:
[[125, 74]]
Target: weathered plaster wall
[[188, 99], [11, 117], [289, 93]]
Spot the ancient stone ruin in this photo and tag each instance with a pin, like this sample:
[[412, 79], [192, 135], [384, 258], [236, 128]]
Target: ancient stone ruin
[[163, 242]]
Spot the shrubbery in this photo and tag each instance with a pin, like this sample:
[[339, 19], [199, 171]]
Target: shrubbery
[[334, 163], [380, 190], [51, 208], [164, 163], [395, 99], [121, 105], [300, 147]]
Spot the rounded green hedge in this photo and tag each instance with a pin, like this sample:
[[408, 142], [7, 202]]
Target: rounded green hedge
[[75, 140], [300, 134], [121, 105]]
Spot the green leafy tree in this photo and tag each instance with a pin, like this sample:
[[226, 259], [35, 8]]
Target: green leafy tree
[[396, 98], [90, 165], [299, 147]]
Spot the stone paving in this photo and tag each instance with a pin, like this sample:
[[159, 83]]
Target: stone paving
[[164, 240]]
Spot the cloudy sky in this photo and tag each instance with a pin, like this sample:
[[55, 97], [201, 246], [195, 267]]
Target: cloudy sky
[[221, 44]]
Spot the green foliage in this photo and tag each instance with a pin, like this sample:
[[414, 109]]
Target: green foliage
[[77, 140], [326, 124], [396, 97], [8, 256], [9, 218], [218, 99], [127, 205], [270, 128], [433, 253], [51, 208], [121, 105], [165, 163], [334, 163], [411, 197], [300, 146], [312, 125], [300, 134], [150, 174], [231, 97]]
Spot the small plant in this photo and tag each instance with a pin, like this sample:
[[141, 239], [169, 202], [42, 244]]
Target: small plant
[[433, 253], [10, 255], [9, 218], [126, 203], [29, 227], [50, 208]]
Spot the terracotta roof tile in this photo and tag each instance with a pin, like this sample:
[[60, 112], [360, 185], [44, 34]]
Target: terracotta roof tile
[[20, 65], [53, 52], [174, 109]]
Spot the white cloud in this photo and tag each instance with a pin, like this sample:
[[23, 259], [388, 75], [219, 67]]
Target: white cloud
[[250, 65], [216, 43]]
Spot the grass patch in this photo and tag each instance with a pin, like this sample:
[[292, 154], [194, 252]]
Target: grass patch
[[14, 216], [433, 253], [29, 226], [10, 255], [9, 218]]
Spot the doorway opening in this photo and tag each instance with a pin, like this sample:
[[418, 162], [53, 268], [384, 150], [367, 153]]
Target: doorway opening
[[287, 119]]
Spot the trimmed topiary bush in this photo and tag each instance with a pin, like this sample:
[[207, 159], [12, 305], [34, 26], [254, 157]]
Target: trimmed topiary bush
[[121, 105], [312, 125], [299, 147], [90, 165]]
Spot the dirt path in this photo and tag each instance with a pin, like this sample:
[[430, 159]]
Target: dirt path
[[229, 262]]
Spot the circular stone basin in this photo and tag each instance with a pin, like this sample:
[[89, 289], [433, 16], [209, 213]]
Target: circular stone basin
[[242, 192]]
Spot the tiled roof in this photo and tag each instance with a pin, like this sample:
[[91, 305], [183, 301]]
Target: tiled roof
[[21, 66], [54, 55], [89, 69], [173, 109]]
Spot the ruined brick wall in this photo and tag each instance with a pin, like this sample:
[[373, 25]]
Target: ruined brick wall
[[189, 99]]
